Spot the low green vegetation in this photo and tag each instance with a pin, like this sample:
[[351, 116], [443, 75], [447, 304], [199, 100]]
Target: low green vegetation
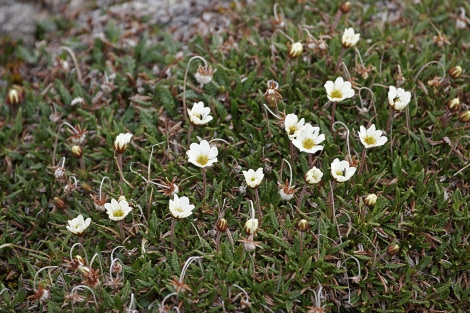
[[386, 231]]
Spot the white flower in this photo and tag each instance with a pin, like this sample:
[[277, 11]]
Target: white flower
[[349, 38], [339, 90], [202, 154], [251, 226], [117, 211], [252, 178], [341, 171], [78, 225], [308, 139], [398, 98], [121, 142], [180, 207], [292, 125], [371, 137], [199, 115], [313, 175]]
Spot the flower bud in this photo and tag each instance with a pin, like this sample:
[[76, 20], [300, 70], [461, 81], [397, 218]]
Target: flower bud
[[393, 249], [464, 116], [455, 71], [295, 50], [59, 203], [221, 225], [77, 152], [302, 225], [345, 7], [454, 104], [15, 95], [251, 226], [371, 199]]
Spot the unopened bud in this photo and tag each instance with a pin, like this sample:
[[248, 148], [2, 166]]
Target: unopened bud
[[221, 225], [371, 199], [77, 152], [345, 7], [303, 225], [295, 50], [455, 72], [393, 249], [59, 203], [454, 104], [15, 95], [251, 226], [464, 116]]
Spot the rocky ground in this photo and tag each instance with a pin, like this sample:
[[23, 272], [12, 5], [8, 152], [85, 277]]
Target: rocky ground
[[18, 19]]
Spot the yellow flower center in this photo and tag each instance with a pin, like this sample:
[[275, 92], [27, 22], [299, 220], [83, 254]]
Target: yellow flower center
[[202, 159], [337, 94], [339, 173], [292, 130], [308, 143], [178, 209], [253, 178], [369, 140], [118, 213], [197, 115]]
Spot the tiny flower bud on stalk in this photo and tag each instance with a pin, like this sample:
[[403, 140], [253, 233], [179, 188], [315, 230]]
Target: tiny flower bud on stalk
[[455, 72], [454, 104], [464, 116], [302, 226]]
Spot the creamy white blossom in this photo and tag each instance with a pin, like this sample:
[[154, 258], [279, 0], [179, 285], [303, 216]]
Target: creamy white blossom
[[117, 211], [253, 179], [202, 154], [251, 226], [398, 98], [339, 90], [313, 175], [309, 139], [199, 114], [78, 225], [122, 141], [349, 38], [371, 137], [180, 207], [292, 125], [341, 171]]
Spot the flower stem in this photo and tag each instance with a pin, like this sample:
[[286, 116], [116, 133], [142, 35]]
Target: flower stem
[[217, 242], [185, 113], [333, 110], [190, 130], [204, 182], [121, 230], [258, 204], [301, 243], [340, 58], [389, 121], [292, 151], [363, 160], [301, 197], [333, 213], [119, 165], [172, 231]]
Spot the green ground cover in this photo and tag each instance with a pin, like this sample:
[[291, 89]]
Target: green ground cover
[[328, 248]]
